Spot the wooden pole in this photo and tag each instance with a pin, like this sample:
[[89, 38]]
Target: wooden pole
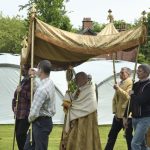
[[143, 20], [134, 74], [111, 19], [114, 69], [32, 17], [14, 135], [136, 61]]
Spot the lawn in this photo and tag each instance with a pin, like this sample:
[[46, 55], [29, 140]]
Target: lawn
[[6, 136]]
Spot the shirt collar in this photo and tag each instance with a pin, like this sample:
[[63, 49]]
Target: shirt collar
[[124, 80], [144, 80], [44, 80]]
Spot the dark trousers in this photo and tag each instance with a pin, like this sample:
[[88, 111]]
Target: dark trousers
[[117, 125], [21, 129], [41, 128]]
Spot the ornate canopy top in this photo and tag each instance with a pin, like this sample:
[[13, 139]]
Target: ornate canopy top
[[143, 18], [110, 16]]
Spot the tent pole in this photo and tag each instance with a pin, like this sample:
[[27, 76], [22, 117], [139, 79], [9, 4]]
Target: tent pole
[[14, 135], [32, 17]]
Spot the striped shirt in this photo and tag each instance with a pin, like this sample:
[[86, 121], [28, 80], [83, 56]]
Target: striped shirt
[[43, 101]]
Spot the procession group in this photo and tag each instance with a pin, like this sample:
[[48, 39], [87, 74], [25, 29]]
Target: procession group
[[130, 106]]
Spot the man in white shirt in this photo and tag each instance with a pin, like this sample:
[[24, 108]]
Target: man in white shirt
[[42, 108]]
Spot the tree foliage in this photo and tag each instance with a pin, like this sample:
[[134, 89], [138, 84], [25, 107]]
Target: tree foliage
[[97, 27], [122, 25], [52, 12], [12, 31], [145, 49]]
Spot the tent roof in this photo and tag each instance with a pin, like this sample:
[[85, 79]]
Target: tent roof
[[11, 59], [64, 48]]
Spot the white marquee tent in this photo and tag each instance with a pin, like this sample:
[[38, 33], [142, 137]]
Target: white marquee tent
[[102, 75]]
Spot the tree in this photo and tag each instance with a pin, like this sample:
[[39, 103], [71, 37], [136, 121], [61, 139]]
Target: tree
[[122, 25], [12, 31], [52, 12], [145, 49], [97, 27]]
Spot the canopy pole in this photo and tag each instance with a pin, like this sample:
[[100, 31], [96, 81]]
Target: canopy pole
[[134, 74], [143, 19], [135, 66], [14, 135], [32, 17], [133, 80], [114, 69], [111, 19]]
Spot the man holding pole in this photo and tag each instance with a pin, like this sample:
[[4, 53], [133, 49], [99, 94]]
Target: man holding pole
[[21, 108], [120, 101], [42, 108], [139, 106]]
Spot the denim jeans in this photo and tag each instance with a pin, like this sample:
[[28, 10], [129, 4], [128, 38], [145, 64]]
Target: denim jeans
[[140, 126]]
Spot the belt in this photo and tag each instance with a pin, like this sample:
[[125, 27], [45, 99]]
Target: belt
[[42, 117]]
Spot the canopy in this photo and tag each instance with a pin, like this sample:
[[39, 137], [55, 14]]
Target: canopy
[[64, 48], [109, 30]]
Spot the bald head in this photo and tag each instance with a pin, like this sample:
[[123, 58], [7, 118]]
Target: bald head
[[81, 79]]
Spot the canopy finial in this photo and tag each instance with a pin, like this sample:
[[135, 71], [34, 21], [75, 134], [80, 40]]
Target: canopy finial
[[33, 11], [143, 18], [110, 16]]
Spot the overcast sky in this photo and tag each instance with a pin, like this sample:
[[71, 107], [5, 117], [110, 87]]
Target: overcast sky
[[127, 10]]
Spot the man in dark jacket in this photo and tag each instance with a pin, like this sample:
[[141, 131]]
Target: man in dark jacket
[[140, 108], [21, 108]]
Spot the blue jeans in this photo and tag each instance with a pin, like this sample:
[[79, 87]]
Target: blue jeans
[[140, 126]]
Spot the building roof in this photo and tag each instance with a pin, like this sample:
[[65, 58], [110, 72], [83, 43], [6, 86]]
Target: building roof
[[88, 31]]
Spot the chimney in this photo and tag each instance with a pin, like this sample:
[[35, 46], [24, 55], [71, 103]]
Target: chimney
[[87, 23]]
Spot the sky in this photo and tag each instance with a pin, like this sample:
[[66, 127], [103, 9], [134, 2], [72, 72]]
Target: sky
[[97, 10]]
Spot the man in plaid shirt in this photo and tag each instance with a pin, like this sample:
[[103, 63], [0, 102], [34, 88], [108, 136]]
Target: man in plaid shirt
[[42, 108], [21, 110]]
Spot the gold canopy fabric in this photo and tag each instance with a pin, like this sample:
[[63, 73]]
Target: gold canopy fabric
[[64, 48], [109, 30]]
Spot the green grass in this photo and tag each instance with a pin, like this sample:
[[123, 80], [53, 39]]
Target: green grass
[[6, 137]]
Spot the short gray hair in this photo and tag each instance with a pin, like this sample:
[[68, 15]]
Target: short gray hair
[[128, 70], [145, 68]]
